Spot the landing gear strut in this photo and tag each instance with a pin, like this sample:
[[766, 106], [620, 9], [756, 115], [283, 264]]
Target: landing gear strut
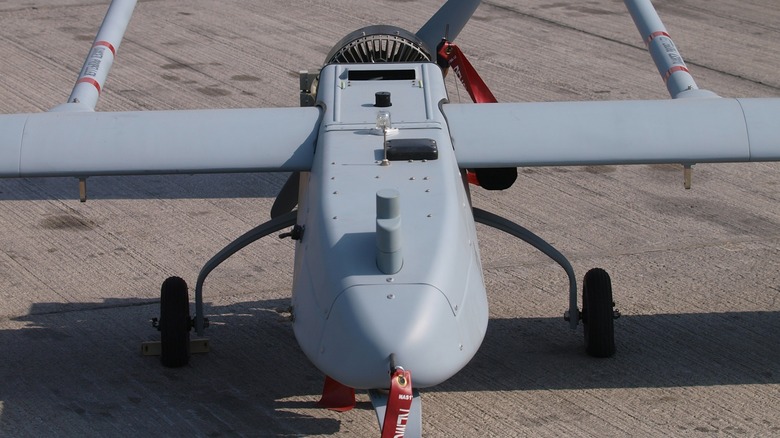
[[175, 322], [279, 222], [598, 313]]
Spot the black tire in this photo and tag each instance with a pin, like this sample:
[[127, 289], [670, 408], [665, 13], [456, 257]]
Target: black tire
[[598, 314], [175, 323]]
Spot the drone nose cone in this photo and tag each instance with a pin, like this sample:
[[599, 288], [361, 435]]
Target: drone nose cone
[[368, 323]]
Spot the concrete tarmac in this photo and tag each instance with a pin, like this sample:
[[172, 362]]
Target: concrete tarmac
[[696, 274]]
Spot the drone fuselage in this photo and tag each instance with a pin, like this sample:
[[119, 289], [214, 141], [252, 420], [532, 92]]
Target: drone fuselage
[[349, 315]]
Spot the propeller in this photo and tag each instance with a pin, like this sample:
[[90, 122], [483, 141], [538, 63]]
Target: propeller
[[447, 22]]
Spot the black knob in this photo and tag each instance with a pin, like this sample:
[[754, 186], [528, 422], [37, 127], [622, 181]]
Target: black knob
[[382, 99]]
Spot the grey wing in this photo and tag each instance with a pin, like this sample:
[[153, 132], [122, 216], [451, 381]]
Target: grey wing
[[157, 142], [683, 131]]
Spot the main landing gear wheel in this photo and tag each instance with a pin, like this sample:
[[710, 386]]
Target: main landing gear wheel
[[175, 323], [598, 314]]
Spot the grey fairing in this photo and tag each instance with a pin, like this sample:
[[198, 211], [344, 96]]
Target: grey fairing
[[617, 132], [157, 142]]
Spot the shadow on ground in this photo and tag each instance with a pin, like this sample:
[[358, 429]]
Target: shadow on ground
[[80, 367]]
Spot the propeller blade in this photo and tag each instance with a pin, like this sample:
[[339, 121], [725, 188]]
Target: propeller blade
[[287, 198], [448, 21]]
